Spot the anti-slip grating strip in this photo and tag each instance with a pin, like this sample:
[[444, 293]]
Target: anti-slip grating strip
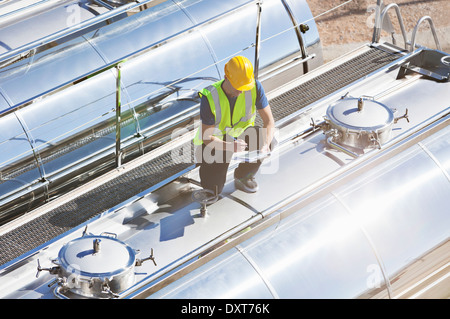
[[328, 82]]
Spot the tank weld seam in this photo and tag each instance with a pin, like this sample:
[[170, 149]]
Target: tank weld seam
[[435, 160], [370, 241], [258, 271]]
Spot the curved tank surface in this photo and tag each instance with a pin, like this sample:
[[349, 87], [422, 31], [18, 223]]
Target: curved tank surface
[[346, 244], [59, 97], [339, 213], [45, 17]]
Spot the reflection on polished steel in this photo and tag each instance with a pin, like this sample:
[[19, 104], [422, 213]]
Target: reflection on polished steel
[[324, 223], [58, 99]]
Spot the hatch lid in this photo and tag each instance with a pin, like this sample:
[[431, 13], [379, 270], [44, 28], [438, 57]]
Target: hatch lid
[[360, 114]]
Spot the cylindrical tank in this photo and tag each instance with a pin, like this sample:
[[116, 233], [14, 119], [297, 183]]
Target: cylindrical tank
[[58, 99], [371, 237]]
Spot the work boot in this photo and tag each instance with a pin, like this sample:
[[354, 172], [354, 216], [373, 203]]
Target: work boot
[[246, 184]]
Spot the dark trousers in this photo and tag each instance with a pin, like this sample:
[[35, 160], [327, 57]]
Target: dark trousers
[[214, 163]]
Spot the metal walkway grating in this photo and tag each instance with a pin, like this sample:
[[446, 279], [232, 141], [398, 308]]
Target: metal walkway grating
[[328, 82], [77, 211]]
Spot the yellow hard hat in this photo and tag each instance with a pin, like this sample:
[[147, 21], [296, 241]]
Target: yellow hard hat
[[239, 71]]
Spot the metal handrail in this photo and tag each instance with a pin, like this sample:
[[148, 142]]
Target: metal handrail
[[112, 65], [413, 37], [400, 20], [118, 115], [258, 37], [298, 32]]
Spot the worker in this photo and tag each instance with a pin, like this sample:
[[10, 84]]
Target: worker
[[227, 113]]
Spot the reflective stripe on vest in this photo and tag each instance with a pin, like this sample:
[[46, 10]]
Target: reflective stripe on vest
[[244, 112]]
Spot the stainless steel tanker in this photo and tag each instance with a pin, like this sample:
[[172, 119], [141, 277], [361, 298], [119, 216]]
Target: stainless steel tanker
[[58, 93], [352, 201]]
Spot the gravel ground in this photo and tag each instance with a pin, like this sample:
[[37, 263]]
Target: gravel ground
[[351, 25]]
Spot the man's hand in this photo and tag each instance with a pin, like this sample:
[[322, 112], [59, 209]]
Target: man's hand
[[239, 145], [268, 129], [265, 148]]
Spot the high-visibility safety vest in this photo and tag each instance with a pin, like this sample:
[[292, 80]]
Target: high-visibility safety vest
[[244, 113]]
